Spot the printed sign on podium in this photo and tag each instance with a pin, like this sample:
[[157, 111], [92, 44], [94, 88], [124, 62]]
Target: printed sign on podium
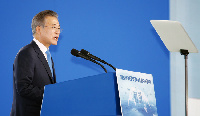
[[137, 95]]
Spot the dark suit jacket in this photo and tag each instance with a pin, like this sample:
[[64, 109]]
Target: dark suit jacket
[[31, 73]]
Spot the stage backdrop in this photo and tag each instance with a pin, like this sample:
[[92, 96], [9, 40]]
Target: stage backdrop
[[117, 31]]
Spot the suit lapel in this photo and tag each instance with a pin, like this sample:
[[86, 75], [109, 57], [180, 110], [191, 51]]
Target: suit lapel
[[43, 60], [54, 74]]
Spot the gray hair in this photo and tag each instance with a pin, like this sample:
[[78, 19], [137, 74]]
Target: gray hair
[[38, 19]]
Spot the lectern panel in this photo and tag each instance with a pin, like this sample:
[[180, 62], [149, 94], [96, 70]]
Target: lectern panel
[[93, 95]]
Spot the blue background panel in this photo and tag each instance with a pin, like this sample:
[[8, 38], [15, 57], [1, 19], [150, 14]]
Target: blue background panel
[[119, 32]]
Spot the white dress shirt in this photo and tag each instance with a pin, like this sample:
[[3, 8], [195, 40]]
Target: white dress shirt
[[42, 47]]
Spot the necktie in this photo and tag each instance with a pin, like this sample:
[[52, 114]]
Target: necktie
[[49, 61]]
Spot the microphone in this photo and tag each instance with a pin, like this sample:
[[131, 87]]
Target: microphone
[[77, 53], [86, 53]]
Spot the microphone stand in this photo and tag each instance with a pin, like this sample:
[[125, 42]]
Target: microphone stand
[[86, 53], [77, 53]]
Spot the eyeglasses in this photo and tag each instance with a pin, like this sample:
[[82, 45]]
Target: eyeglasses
[[54, 28]]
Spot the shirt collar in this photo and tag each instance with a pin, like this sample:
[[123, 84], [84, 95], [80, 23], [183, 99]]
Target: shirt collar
[[41, 46]]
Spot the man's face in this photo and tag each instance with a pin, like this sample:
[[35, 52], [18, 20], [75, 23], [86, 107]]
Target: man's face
[[50, 32]]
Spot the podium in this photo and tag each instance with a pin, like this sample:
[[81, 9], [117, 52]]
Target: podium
[[93, 95]]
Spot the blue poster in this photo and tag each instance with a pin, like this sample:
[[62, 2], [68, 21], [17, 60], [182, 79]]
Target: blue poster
[[136, 92]]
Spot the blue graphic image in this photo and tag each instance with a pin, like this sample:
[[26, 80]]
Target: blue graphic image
[[137, 95]]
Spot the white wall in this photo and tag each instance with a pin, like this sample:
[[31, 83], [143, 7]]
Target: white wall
[[188, 13]]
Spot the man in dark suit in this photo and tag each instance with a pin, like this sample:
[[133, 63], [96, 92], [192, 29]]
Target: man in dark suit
[[33, 67]]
